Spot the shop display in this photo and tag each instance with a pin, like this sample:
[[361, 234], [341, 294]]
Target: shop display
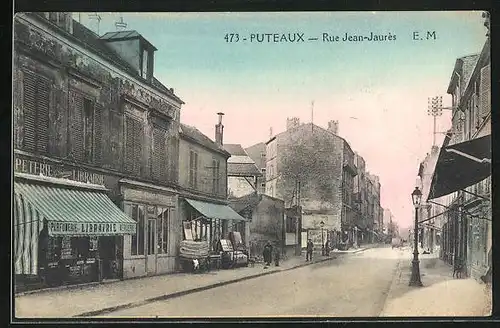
[[193, 249]]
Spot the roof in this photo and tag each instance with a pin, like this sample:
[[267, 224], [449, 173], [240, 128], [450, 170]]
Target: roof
[[243, 169], [241, 203], [196, 135], [459, 69], [85, 35], [235, 150], [93, 42], [255, 153], [125, 35]]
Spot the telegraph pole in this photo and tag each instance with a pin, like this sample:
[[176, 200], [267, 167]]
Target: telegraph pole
[[435, 109]]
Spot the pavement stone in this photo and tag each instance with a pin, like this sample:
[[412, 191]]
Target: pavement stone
[[101, 298], [441, 294]]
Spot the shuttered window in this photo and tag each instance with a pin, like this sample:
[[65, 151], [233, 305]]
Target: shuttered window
[[85, 128], [485, 91], [36, 95], [98, 127], [159, 164], [215, 176], [193, 169], [134, 132]]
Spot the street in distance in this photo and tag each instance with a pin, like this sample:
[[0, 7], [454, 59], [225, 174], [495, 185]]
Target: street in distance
[[299, 37]]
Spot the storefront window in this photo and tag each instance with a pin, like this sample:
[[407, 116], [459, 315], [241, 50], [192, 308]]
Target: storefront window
[[80, 247], [136, 212], [162, 229]]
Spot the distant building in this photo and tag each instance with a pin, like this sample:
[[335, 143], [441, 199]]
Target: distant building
[[257, 153], [326, 195], [242, 172]]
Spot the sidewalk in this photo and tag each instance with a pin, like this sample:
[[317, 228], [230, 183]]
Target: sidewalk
[[101, 298], [442, 295]]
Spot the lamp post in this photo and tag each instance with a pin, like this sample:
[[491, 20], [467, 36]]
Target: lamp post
[[322, 224], [415, 270]]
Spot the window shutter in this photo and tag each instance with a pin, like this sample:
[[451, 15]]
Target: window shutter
[[485, 91], [129, 144], [76, 125], [42, 117], [138, 138], [29, 111], [159, 160], [98, 123]]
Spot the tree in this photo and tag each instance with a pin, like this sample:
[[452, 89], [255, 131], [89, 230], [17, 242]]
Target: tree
[[308, 161]]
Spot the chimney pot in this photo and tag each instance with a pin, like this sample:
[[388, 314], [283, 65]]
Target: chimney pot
[[219, 130]]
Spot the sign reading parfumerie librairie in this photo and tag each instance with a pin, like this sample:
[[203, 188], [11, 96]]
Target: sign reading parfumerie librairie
[[63, 228], [29, 166]]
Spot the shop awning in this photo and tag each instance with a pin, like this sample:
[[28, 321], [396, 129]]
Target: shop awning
[[215, 211], [73, 211], [461, 165]]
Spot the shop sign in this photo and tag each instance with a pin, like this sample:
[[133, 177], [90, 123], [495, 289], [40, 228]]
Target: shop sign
[[28, 166], [59, 228]]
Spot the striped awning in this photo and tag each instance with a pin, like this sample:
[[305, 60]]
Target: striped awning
[[69, 211]]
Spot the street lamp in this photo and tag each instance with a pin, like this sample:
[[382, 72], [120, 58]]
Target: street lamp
[[322, 224], [416, 197]]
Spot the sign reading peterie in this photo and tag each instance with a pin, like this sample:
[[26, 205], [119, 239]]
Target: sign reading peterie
[[63, 228], [23, 165]]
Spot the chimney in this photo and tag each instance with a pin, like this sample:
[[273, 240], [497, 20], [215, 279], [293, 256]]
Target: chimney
[[219, 130], [292, 123], [333, 127]]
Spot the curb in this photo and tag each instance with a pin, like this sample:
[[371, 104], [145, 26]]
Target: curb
[[396, 276], [194, 290]]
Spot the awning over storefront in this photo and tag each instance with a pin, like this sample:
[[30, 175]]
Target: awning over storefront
[[460, 166], [215, 211], [68, 210], [72, 211]]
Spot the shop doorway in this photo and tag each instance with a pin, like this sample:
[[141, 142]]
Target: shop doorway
[[151, 247], [107, 256]]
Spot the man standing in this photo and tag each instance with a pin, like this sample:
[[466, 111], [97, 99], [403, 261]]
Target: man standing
[[309, 250], [267, 254]]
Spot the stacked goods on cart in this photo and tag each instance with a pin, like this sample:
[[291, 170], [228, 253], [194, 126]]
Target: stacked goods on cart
[[193, 249]]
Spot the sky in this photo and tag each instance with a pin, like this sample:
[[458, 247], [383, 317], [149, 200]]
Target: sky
[[378, 91]]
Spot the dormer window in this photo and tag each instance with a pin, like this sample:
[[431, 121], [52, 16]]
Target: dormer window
[[145, 55]]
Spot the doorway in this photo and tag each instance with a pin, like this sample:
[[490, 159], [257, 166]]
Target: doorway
[[151, 247], [107, 255]]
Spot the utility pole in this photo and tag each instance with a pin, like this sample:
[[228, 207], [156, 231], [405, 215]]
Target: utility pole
[[435, 109]]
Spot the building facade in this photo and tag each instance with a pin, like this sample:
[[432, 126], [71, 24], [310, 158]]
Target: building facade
[[203, 177], [467, 223], [83, 111], [313, 167], [257, 153]]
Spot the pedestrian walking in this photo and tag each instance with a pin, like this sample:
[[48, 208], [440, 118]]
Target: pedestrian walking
[[309, 250], [267, 254], [327, 248]]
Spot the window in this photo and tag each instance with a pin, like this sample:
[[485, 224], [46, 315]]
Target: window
[[136, 212], [88, 124], [290, 225], [145, 64], [36, 94], [215, 176], [134, 133], [163, 221], [193, 169], [159, 165]]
